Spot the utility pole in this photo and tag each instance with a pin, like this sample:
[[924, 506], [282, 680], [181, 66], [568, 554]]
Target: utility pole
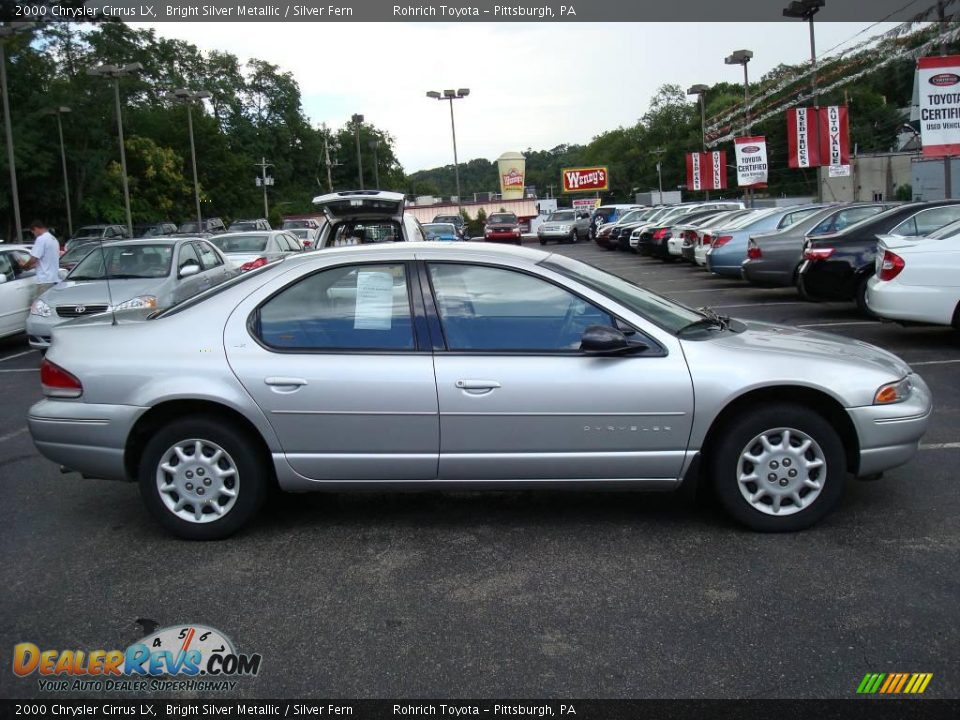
[[947, 160], [263, 165], [326, 154], [658, 152]]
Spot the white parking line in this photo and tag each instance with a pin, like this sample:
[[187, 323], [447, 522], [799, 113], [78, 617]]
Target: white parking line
[[10, 370], [935, 362], [758, 305], [838, 324], [20, 354], [11, 435], [706, 290], [941, 446]]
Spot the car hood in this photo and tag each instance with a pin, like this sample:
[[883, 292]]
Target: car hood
[[91, 292], [806, 345]]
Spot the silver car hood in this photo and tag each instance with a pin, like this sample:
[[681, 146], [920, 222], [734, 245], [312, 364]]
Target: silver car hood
[[808, 345], [94, 292]]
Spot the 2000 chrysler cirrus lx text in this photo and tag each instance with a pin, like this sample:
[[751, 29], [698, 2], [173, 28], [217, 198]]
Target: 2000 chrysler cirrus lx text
[[464, 365]]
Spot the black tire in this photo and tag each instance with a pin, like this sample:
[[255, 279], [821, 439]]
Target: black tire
[[725, 463], [860, 297], [573, 237], [542, 241], [251, 480]]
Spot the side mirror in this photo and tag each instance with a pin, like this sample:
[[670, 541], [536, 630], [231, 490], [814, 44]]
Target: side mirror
[[605, 340], [188, 270], [62, 273], [3, 278]]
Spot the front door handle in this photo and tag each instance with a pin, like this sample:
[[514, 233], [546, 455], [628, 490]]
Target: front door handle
[[478, 384], [291, 383]]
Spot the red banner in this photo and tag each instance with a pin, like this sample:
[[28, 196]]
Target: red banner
[[818, 136], [707, 170]]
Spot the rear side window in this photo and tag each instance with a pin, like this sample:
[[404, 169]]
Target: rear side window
[[356, 307], [209, 256], [926, 221]]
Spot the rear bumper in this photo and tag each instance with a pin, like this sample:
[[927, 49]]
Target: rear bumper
[[890, 434], [86, 437], [758, 272], [894, 301]]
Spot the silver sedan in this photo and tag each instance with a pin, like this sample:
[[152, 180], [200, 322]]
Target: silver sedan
[[462, 366]]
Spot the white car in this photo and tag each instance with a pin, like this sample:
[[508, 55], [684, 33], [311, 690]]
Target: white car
[[918, 279], [16, 289], [361, 217]]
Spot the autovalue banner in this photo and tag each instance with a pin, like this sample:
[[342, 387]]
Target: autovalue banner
[[938, 79], [818, 136], [751, 154], [707, 170]]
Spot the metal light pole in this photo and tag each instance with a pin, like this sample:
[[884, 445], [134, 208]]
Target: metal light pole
[[947, 160], [188, 97], [805, 10], [742, 57], [357, 120], [263, 165], [58, 111], [6, 31], [116, 72], [701, 91], [452, 95], [374, 144]]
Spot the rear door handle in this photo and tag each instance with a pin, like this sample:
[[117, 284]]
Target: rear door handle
[[477, 384], [285, 382]]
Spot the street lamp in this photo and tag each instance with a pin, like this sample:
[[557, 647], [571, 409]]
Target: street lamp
[[452, 95], [188, 97], [742, 57], [115, 72], [58, 111], [805, 10], [374, 144], [6, 31], [357, 120]]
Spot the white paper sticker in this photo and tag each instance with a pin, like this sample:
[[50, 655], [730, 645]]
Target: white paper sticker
[[374, 309]]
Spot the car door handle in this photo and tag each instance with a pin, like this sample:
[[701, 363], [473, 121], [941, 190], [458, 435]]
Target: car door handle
[[478, 384], [286, 383]]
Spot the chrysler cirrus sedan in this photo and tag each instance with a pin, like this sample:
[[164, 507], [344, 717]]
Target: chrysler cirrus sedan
[[448, 365]]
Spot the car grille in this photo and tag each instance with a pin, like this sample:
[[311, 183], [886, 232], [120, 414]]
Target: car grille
[[69, 311]]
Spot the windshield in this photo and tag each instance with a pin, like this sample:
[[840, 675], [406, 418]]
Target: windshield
[[502, 218], [446, 219], [89, 232], [632, 216], [147, 230], [125, 262], [666, 313], [241, 243], [566, 216], [244, 225]]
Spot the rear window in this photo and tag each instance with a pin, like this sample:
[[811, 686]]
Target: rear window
[[350, 233], [241, 243], [502, 218], [446, 219]]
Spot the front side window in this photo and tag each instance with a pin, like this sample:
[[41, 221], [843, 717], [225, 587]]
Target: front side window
[[188, 256], [494, 309], [209, 256], [354, 307]]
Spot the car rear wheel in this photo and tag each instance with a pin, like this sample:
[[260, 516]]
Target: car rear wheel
[[779, 468], [861, 298], [202, 478]]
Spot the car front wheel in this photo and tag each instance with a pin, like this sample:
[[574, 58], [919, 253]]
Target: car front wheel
[[202, 478], [779, 468]]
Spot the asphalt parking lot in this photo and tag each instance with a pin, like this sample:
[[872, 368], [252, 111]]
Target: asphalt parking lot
[[515, 594]]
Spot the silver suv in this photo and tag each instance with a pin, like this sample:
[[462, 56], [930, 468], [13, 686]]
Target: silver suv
[[564, 226]]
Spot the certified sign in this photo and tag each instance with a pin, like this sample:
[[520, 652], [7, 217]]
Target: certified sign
[[585, 179], [938, 80], [752, 165]]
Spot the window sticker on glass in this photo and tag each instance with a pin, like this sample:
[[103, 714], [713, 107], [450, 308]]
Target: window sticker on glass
[[374, 309]]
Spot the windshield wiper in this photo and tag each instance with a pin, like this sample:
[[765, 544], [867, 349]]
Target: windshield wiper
[[712, 319]]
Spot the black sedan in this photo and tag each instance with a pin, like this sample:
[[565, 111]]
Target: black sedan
[[838, 266], [653, 241]]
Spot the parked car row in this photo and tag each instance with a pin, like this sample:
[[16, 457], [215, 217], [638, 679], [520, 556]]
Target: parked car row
[[855, 252]]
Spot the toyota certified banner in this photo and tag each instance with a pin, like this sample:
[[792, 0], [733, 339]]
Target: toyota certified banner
[[707, 170], [751, 153], [938, 79], [818, 136], [585, 179]]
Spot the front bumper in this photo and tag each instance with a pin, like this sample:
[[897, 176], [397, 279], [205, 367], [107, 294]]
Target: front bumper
[[86, 437], [502, 237], [554, 234], [890, 434], [40, 330]]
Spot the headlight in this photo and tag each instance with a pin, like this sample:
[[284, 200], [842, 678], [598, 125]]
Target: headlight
[[138, 303], [893, 392], [40, 308]]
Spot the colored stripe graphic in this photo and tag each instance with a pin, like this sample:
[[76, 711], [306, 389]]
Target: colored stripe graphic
[[894, 683]]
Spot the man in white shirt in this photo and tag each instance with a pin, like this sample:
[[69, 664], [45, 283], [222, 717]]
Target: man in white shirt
[[45, 256]]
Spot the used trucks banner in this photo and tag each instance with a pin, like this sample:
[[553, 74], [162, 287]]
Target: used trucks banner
[[585, 179], [751, 153], [707, 170], [818, 136], [938, 80]]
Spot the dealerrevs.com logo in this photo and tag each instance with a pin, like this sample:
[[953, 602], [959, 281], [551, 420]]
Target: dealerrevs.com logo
[[179, 657], [945, 79]]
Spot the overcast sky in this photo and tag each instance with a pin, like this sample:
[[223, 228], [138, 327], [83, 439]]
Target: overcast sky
[[533, 85]]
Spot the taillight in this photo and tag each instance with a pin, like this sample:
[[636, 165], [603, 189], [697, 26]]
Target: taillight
[[661, 234], [722, 240], [817, 253], [891, 266], [307, 243], [753, 251], [57, 382], [254, 264], [706, 239]]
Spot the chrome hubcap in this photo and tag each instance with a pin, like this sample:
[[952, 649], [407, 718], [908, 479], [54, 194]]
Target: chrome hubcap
[[781, 471], [198, 480]]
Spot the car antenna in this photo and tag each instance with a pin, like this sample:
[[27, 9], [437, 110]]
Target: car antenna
[[106, 275]]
